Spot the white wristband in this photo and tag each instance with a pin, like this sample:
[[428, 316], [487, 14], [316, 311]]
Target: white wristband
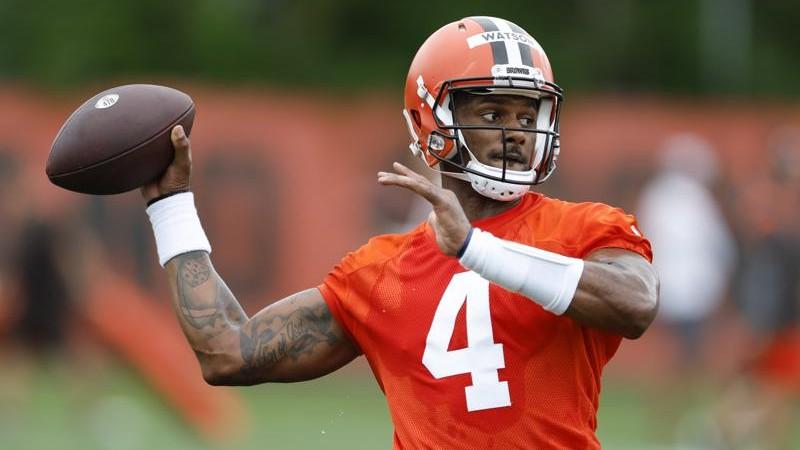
[[177, 227], [547, 278]]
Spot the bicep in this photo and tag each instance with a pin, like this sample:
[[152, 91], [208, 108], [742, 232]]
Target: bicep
[[294, 339], [627, 265], [618, 291]]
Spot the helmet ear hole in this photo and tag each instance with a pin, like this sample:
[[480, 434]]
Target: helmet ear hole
[[416, 118]]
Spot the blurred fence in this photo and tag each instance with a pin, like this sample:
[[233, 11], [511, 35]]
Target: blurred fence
[[286, 185]]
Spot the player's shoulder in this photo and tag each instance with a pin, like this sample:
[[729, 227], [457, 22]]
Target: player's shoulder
[[583, 227], [582, 212], [590, 210], [379, 249], [570, 207]]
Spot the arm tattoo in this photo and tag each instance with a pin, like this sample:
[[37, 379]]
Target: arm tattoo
[[207, 310], [204, 302], [195, 272], [271, 338]]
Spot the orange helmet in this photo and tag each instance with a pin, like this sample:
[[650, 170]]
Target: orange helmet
[[483, 55]]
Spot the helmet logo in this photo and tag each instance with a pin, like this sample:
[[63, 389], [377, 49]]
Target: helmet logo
[[436, 142], [512, 70]]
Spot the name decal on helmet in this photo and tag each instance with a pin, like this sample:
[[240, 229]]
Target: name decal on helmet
[[499, 36]]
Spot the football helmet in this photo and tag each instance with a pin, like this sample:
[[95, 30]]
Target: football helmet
[[481, 55]]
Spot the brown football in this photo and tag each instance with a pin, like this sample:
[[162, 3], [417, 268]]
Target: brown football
[[119, 139]]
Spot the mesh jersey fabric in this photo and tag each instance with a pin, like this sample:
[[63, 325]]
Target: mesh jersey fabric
[[385, 296]]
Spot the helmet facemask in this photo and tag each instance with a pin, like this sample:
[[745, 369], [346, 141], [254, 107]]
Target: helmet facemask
[[448, 145]]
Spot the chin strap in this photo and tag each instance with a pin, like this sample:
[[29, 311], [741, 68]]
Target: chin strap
[[498, 190], [493, 189]]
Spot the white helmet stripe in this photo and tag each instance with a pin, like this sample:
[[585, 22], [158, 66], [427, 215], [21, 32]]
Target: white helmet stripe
[[512, 49], [524, 49], [499, 53]]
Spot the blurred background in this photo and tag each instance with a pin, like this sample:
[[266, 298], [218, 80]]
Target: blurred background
[[686, 113]]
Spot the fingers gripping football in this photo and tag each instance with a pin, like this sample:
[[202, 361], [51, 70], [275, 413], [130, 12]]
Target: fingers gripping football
[[177, 176], [447, 218]]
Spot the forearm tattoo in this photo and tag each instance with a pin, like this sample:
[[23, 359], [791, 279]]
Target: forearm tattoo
[[207, 308], [269, 339], [204, 302]]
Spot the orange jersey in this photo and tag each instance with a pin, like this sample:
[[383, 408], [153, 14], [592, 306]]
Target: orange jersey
[[512, 375]]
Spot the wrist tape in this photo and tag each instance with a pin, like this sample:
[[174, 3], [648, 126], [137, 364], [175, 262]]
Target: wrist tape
[[547, 278], [177, 227]]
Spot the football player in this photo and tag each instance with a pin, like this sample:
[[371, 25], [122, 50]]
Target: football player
[[488, 325]]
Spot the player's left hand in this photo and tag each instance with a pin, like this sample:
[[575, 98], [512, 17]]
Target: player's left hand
[[447, 218]]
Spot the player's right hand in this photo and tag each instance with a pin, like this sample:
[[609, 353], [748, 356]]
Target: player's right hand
[[447, 218], [176, 177]]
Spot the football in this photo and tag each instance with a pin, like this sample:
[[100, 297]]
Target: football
[[119, 139]]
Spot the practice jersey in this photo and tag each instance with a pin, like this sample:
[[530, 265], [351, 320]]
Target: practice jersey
[[465, 363]]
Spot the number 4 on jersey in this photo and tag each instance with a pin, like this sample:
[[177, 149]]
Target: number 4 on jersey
[[482, 357]]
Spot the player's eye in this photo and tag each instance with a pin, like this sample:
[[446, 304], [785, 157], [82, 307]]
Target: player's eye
[[490, 116], [526, 122]]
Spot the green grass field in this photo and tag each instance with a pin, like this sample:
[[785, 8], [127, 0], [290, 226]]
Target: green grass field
[[55, 406]]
